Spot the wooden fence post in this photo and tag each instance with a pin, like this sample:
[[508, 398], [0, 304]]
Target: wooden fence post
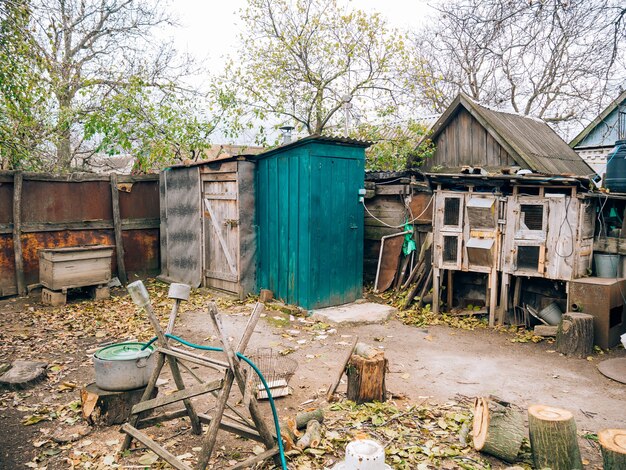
[[117, 225], [17, 233]]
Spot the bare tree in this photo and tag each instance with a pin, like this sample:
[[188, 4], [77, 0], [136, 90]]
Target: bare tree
[[89, 50], [301, 61], [548, 58]]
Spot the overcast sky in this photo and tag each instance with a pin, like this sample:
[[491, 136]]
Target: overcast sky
[[209, 29]]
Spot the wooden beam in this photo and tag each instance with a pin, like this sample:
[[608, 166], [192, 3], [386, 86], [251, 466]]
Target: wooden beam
[[255, 458], [127, 224], [154, 447], [117, 226], [17, 233], [180, 395]]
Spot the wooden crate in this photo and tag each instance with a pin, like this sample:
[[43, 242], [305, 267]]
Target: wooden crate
[[66, 268]]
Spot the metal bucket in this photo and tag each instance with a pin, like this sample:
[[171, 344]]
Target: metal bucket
[[123, 366], [606, 265], [551, 314]]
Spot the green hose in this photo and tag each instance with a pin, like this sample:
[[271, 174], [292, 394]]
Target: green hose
[[281, 450]]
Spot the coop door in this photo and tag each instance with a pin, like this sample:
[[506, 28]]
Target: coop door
[[221, 229], [482, 221], [449, 230]]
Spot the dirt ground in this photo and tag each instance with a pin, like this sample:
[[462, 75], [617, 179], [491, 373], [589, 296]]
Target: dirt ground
[[433, 365]]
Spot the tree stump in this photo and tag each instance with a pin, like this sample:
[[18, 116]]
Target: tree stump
[[613, 446], [574, 336], [366, 375], [553, 438], [498, 428], [104, 408]]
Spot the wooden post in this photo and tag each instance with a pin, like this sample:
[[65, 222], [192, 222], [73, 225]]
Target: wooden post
[[613, 446], [574, 336], [498, 428], [553, 438], [493, 298], [117, 225], [436, 290], [366, 375], [17, 233], [450, 288]]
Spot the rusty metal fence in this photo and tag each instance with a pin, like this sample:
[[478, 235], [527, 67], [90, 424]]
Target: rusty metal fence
[[44, 211]]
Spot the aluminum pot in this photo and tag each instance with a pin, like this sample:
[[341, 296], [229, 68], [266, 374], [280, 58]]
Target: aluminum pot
[[123, 366]]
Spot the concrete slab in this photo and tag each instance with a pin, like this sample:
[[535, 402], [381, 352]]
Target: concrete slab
[[356, 313]]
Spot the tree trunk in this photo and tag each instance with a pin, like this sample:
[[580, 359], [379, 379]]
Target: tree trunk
[[553, 438], [574, 336], [498, 428], [613, 446], [366, 378], [105, 408]]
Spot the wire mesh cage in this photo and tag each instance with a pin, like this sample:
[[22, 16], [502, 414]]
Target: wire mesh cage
[[277, 370]]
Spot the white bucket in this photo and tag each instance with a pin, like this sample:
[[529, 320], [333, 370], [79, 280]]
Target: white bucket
[[606, 265], [363, 455]]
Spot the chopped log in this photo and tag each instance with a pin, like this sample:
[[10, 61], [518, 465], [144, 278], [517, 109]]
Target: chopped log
[[498, 428], [105, 408], [613, 446], [333, 387], [545, 330], [365, 350], [553, 438], [312, 436], [289, 438], [366, 376], [427, 283], [574, 336], [302, 419]]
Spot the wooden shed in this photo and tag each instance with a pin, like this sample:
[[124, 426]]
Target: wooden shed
[[468, 134], [208, 235]]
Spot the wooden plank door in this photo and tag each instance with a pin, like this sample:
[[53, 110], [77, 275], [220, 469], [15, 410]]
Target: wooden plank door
[[221, 230]]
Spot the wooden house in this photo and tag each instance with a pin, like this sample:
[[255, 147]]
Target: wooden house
[[596, 140], [208, 235]]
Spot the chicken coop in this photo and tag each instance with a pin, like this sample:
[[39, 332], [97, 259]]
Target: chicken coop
[[549, 233], [467, 238], [208, 235]]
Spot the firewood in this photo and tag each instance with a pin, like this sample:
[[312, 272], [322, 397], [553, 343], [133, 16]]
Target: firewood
[[105, 408], [366, 375], [365, 350], [545, 330], [574, 336], [498, 428], [302, 419], [312, 436], [333, 387], [613, 446], [553, 438]]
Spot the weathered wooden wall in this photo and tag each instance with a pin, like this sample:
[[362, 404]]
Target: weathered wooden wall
[[465, 141], [386, 203], [72, 210]]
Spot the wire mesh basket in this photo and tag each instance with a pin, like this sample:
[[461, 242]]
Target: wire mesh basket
[[277, 370]]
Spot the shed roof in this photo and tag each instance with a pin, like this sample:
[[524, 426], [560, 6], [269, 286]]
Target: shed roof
[[316, 138], [529, 141], [598, 120]]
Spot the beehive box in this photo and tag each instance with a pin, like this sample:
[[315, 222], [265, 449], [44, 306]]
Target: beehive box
[[66, 268]]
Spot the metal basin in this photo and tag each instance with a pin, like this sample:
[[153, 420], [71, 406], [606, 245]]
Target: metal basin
[[123, 366]]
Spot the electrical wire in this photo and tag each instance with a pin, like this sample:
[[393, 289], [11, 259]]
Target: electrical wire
[[254, 367], [571, 231], [398, 226]]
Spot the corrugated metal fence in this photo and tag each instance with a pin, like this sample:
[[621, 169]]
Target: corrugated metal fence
[[44, 211]]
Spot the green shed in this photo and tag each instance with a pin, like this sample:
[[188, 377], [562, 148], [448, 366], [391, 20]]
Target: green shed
[[310, 221]]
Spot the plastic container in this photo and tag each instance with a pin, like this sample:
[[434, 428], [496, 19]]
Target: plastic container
[[615, 177], [551, 314], [123, 366], [606, 265], [623, 338], [363, 454]]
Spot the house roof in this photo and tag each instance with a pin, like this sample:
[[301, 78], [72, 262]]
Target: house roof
[[530, 141], [601, 117]]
